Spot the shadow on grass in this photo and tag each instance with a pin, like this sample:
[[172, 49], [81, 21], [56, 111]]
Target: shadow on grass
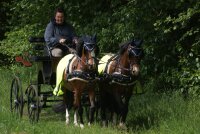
[[142, 122]]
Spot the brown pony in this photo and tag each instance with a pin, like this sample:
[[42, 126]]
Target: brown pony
[[118, 74], [76, 73]]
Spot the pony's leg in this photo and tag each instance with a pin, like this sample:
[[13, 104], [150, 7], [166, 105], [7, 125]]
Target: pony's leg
[[80, 112], [125, 108], [75, 109], [103, 105], [78, 108], [75, 117], [119, 107], [66, 106], [91, 94], [67, 116]]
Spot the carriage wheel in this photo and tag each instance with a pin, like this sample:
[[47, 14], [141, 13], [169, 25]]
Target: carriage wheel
[[33, 103], [16, 97]]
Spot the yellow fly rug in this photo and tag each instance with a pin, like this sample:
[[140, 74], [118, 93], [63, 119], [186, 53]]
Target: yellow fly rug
[[62, 65], [137, 88], [103, 63]]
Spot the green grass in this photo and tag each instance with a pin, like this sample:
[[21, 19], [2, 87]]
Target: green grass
[[148, 113]]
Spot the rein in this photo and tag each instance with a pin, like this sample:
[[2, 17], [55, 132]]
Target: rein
[[80, 74], [118, 77], [79, 58]]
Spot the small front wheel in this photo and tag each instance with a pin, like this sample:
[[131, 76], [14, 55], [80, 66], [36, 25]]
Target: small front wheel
[[33, 103]]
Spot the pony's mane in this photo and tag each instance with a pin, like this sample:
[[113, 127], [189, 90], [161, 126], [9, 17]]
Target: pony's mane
[[123, 47], [79, 47]]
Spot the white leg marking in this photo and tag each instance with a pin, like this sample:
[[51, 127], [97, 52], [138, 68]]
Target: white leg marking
[[82, 126], [75, 118], [67, 116]]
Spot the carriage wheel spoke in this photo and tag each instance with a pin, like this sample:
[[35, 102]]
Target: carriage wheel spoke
[[16, 97], [33, 108]]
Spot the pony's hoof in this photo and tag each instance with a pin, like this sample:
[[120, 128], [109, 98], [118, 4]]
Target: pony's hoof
[[122, 126], [67, 122], [104, 124], [76, 124], [82, 126]]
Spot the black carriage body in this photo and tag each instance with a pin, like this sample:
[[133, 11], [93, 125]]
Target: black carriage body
[[37, 99], [44, 61]]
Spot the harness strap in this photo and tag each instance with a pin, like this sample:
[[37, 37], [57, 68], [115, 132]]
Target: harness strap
[[111, 59], [69, 64]]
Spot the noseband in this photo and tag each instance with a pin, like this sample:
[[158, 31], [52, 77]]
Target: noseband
[[89, 47]]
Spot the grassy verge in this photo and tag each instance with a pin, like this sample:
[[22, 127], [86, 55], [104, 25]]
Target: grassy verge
[[148, 113]]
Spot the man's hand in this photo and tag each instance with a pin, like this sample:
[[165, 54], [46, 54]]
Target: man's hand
[[62, 41], [75, 41]]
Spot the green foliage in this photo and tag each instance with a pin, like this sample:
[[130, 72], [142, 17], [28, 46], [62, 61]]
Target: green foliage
[[183, 28], [25, 12], [17, 40], [170, 30]]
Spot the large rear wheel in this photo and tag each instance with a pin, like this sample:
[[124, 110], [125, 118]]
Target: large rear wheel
[[16, 97]]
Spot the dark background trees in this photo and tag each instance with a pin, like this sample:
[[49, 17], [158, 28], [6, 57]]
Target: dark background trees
[[170, 30]]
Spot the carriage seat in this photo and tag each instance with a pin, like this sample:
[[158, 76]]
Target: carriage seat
[[39, 45], [42, 55], [36, 40]]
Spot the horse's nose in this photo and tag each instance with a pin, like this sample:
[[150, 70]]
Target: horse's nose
[[135, 70], [92, 66]]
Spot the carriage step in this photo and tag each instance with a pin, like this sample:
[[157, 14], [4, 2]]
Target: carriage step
[[53, 100], [46, 106], [46, 94], [39, 47]]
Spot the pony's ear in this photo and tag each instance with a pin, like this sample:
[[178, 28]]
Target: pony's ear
[[123, 46], [80, 41], [137, 42], [94, 37], [97, 50], [79, 47]]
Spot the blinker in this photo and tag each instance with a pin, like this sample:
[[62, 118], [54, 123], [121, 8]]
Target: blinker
[[89, 46], [135, 52]]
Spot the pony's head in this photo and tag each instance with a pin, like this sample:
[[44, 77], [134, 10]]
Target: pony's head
[[87, 50], [132, 52]]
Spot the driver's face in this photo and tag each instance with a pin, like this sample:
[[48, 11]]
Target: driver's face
[[59, 18]]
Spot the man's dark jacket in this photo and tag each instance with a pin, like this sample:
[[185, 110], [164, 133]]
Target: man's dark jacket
[[54, 32]]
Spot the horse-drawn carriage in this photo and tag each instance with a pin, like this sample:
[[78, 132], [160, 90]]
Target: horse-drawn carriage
[[80, 77], [33, 96]]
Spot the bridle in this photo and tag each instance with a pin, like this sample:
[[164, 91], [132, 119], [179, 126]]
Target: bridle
[[87, 46], [133, 52], [87, 75]]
